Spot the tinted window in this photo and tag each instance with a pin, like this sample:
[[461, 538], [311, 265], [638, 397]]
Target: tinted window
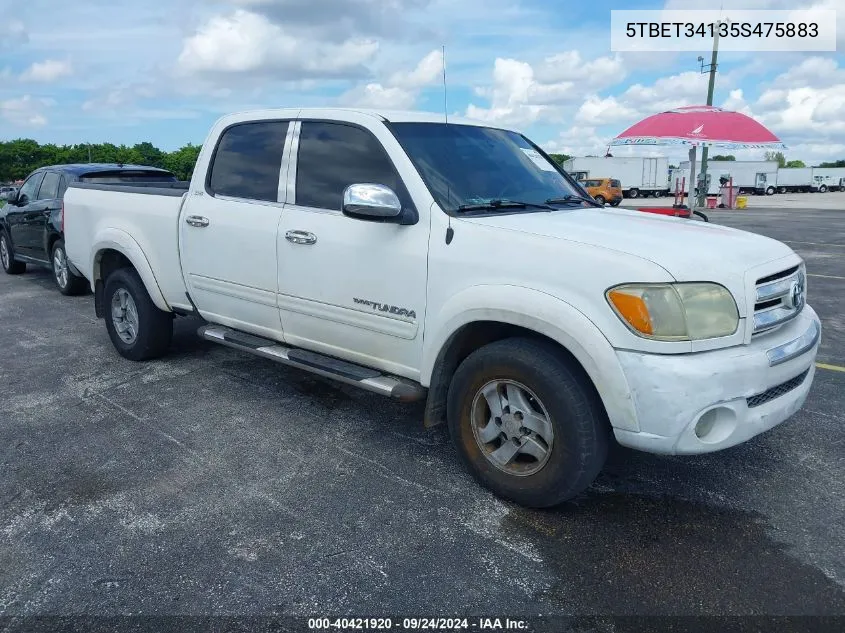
[[49, 186], [333, 156], [62, 187], [30, 187], [615, 183], [117, 177], [247, 161], [469, 165], [592, 183]]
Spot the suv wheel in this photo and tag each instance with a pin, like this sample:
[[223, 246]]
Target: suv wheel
[[68, 283], [529, 427], [137, 328], [7, 257], [599, 199]]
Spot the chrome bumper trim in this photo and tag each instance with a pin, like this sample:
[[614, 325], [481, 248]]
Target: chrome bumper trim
[[794, 349]]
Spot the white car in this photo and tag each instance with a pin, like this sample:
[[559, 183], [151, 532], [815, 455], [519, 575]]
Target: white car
[[458, 263]]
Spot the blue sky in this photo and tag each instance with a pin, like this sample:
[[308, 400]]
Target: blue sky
[[162, 70]]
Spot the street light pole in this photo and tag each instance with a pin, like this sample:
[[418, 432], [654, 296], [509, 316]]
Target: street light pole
[[702, 194]]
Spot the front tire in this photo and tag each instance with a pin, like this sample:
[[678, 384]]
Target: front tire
[[770, 191], [600, 200], [526, 423], [823, 189], [68, 283], [137, 328], [7, 257]]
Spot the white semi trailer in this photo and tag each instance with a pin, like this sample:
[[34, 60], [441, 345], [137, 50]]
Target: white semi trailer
[[639, 175], [795, 179]]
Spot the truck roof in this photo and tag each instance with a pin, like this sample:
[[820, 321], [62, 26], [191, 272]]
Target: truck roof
[[395, 116], [81, 169]]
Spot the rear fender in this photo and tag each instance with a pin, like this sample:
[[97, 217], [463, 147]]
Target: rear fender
[[125, 244]]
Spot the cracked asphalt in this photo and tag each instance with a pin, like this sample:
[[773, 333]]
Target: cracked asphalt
[[213, 482]]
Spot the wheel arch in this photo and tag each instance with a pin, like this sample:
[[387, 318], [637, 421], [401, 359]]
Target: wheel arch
[[463, 329], [117, 249]]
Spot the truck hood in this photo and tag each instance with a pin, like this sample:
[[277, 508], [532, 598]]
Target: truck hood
[[689, 250]]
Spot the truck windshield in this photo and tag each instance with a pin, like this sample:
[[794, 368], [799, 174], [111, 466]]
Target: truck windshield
[[467, 165]]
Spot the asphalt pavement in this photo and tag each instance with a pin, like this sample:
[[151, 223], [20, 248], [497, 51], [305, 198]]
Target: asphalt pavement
[[212, 482]]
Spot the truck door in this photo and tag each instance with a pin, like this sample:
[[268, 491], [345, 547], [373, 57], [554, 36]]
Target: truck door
[[348, 287], [228, 229], [650, 173]]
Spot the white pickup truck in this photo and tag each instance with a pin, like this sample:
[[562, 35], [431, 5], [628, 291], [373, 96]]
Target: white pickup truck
[[457, 262]]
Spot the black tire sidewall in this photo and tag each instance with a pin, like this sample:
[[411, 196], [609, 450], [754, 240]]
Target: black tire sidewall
[[14, 266], [154, 326], [580, 442], [75, 284]]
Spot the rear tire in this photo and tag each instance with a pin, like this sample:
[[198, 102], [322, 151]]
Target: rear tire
[[7, 257], [615, 203], [634, 193], [532, 387], [68, 283], [600, 200], [137, 328]]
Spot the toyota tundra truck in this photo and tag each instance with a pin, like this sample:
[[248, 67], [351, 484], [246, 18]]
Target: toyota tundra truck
[[455, 262]]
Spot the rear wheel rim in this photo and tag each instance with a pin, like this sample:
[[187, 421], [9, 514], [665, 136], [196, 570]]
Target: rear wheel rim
[[4, 252], [60, 267], [124, 316], [512, 428]]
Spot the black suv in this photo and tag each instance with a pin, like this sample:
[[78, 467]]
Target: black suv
[[32, 222]]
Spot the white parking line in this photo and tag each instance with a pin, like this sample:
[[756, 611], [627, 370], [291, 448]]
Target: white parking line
[[825, 276]]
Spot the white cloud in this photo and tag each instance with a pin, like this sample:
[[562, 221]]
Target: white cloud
[[25, 111], [47, 71], [14, 34], [598, 111], [246, 42], [401, 90]]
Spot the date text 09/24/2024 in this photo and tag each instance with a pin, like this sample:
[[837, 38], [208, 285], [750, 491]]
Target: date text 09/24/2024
[[418, 624]]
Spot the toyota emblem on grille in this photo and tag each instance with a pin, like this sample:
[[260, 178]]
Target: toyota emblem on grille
[[796, 294]]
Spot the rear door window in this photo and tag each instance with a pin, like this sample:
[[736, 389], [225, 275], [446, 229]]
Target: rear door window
[[49, 186], [247, 161]]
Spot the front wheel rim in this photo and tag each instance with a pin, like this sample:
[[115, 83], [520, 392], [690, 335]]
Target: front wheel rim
[[4, 252], [512, 428], [124, 315], [60, 267]]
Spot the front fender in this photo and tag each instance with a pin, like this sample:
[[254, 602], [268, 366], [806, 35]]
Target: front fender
[[123, 243], [547, 315]]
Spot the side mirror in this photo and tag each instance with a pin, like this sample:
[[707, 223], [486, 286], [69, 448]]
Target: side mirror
[[371, 202]]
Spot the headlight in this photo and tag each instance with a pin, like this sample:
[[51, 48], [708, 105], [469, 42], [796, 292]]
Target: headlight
[[676, 312]]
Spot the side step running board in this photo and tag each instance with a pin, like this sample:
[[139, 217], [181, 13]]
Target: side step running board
[[349, 373]]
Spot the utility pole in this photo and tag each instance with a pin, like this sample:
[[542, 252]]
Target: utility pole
[[89, 152], [702, 195]]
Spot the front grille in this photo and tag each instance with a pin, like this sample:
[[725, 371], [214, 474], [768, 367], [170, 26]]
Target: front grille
[[777, 391], [779, 298]]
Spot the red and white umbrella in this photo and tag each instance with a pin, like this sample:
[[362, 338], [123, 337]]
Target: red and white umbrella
[[700, 125]]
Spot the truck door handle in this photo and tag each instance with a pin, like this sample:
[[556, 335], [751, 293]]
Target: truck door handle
[[197, 220], [300, 237]]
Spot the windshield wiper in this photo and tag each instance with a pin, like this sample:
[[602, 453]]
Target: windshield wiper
[[503, 204], [570, 198]]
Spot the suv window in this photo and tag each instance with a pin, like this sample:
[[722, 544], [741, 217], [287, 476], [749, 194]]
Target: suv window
[[49, 186], [615, 183], [333, 156], [592, 183], [247, 161], [30, 187], [62, 187]]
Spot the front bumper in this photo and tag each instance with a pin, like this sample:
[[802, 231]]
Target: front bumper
[[707, 401]]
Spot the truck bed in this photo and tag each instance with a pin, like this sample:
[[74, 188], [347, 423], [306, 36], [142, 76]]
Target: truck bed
[[144, 217]]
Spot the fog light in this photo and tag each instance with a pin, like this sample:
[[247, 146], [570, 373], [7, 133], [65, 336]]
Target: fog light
[[715, 425]]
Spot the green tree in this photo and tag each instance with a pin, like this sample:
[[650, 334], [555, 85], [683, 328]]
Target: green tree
[[560, 159], [777, 156], [795, 163], [21, 156], [724, 157], [838, 163]]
